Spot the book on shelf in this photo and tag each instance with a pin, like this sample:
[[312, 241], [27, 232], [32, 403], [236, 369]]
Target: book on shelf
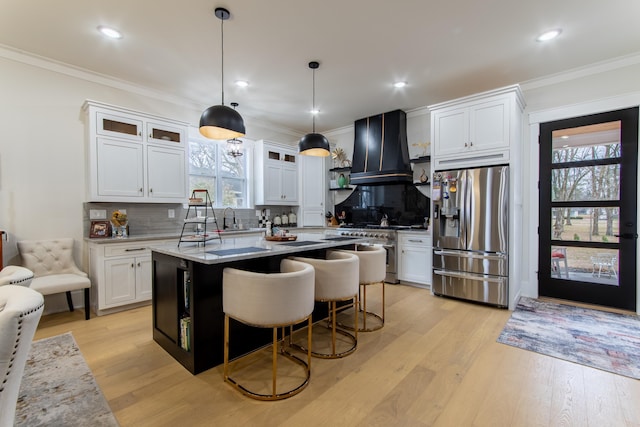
[[186, 290], [185, 333]]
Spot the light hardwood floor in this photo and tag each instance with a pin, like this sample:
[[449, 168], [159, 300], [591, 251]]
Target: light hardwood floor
[[435, 363]]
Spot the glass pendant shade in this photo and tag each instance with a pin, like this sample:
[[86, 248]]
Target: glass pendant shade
[[314, 144], [221, 122]]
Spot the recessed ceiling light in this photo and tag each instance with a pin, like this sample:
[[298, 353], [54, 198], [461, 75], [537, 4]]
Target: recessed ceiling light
[[399, 84], [242, 83], [565, 137], [110, 32], [316, 111], [565, 146], [548, 35]]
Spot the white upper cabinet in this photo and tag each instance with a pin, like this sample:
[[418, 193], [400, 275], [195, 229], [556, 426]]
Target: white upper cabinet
[[119, 126], [165, 134], [119, 171], [275, 174], [476, 130], [134, 157]]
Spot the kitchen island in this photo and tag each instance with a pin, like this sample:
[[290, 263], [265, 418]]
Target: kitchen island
[[188, 321]]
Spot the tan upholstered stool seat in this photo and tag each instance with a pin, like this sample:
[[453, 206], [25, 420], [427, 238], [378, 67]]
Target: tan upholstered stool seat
[[336, 280], [373, 262], [270, 301]]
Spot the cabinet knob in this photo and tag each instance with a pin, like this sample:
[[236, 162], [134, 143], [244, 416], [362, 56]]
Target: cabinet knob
[[138, 264], [140, 133], [466, 145], [471, 143], [151, 190], [140, 189], [132, 266]]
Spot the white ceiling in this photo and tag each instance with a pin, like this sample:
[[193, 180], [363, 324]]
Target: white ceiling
[[443, 49]]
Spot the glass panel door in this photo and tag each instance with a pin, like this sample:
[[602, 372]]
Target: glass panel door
[[588, 209]]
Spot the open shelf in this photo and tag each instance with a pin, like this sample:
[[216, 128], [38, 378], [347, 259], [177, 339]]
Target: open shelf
[[420, 184], [422, 159], [341, 189], [345, 169]]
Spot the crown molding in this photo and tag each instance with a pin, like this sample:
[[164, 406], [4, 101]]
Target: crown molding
[[588, 70], [24, 57]]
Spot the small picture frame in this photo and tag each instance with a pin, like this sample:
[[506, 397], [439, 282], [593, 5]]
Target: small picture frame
[[100, 229]]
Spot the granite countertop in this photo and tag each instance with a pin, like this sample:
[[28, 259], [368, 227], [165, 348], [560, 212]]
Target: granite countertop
[[241, 248]]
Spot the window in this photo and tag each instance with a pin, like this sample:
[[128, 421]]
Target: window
[[213, 169]]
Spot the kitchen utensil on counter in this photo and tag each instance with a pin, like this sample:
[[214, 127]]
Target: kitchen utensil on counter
[[385, 221]]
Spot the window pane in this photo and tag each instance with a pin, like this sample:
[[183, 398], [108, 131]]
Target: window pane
[[203, 183], [600, 141], [232, 166], [585, 264], [585, 224], [233, 193], [202, 158], [586, 183], [211, 167]]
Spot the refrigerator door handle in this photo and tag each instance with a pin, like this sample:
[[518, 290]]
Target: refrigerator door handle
[[469, 276], [469, 255]]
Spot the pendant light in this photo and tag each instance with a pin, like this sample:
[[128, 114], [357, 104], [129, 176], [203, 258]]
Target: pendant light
[[219, 121], [234, 145], [314, 144]]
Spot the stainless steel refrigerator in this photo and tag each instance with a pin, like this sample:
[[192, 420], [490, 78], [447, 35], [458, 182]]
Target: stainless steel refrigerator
[[471, 234]]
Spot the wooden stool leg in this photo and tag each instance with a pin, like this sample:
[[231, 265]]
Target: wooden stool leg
[[69, 301], [87, 304]]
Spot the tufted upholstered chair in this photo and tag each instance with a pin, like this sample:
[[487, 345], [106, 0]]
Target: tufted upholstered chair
[[15, 275], [270, 301], [20, 311], [373, 270], [54, 269], [336, 281]]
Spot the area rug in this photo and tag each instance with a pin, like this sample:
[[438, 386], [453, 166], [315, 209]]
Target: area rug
[[58, 389], [599, 339]]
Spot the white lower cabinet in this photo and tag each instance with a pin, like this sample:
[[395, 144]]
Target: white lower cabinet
[[414, 258], [120, 275]]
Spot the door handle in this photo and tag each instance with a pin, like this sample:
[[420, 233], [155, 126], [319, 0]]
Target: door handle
[[627, 235]]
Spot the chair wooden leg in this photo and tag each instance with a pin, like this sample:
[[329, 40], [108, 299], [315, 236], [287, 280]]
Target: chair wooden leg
[[69, 301], [87, 304]]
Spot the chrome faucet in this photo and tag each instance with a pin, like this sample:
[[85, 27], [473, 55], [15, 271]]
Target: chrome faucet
[[224, 218]]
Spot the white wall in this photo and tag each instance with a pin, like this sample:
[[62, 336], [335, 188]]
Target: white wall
[[42, 148], [42, 142]]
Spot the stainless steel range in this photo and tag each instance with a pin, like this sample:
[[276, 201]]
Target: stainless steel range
[[385, 237]]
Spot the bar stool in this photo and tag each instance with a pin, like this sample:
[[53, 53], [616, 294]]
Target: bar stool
[[373, 270], [269, 301], [336, 280]]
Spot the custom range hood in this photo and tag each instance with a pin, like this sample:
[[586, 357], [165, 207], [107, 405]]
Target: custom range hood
[[380, 150]]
